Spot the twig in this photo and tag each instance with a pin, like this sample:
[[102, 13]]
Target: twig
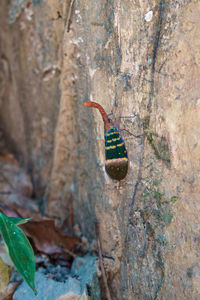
[[70, 214], [7, 181], [136, 136], [5, 193], [69, 220], [70, 253], [69, 14], [99, 245]]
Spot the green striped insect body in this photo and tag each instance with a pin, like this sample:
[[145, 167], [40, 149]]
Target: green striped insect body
[[116, 163], [116, 155], [114, 144]]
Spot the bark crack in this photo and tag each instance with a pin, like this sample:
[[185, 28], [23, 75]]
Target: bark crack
[[155, 50], [139, 177]]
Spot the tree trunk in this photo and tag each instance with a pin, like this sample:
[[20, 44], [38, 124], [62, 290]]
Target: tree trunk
[[140, 60]]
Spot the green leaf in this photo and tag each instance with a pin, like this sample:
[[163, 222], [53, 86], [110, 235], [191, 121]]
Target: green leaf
[[19, 221], [174, 199], [19, 248]]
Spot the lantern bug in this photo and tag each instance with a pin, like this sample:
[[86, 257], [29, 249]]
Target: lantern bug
[[116, 163]]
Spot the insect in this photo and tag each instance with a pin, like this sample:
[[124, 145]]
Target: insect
[[116, 163]]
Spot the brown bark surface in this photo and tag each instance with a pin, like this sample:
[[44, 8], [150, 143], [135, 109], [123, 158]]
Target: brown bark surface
[[138, 59]]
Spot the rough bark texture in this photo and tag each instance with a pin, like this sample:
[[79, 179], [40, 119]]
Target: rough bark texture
[[136, 58]]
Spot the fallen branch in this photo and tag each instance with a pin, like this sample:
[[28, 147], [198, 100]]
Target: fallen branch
[[99, 245]]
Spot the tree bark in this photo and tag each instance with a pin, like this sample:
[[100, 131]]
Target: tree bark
[[140, 60]]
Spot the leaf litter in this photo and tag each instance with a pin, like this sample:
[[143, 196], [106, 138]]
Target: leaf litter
[[54, 249]]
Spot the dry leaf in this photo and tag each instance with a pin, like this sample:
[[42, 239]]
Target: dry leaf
[[46, 237]]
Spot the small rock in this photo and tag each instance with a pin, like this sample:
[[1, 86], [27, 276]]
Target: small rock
[[85, 270], [81, 284], [48, 289]]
